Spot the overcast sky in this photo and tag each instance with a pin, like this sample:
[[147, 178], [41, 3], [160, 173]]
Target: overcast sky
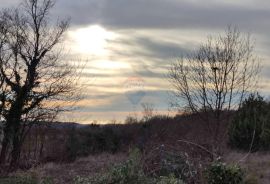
[[132, 42]]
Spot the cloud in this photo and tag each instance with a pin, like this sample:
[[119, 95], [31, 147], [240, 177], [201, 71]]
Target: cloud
[[9, 3], [122, 102], [151, 34], [164, 14]]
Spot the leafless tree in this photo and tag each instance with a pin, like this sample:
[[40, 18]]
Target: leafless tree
[[148, 111], [216, 78], [34, 78]]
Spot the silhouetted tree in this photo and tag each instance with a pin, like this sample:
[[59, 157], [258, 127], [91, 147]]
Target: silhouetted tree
[[215, 78], [148, 111], [34, 79]]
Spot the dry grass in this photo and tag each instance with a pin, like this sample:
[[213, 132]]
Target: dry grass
[[65, 173], [257, 165], [163, 131]]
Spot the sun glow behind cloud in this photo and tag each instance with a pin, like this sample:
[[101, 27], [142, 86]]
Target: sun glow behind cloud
[[91, 40], [119, 46]]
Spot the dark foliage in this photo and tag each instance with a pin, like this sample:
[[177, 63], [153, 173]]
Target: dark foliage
[[72, 146], [220, 173], [64, 142], [250, 128]]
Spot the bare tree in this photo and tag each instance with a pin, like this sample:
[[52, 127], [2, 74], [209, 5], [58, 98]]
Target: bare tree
[[216, 78], [33, 74], [148, 111]]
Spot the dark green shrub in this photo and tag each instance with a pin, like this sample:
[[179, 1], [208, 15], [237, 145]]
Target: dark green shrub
[[92, 140], [129, 172], [250, 128], [102, 139], [220, 173], [265, 137]]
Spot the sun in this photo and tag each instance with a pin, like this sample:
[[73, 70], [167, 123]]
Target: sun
[[91, 40]]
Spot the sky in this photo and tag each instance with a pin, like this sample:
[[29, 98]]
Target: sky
[[128, 46]]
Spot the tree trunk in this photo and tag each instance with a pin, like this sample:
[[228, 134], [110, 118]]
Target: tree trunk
[[5, 143], [15, 154], [4, 150], [11, 131], [17, 144]]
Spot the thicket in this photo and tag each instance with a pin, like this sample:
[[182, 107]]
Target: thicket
[[220, 173], [130, 172], [250, 128], [96, 139], [93, 140]]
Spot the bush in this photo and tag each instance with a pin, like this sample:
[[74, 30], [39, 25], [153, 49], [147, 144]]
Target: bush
[[220, 173], [102, 139], [178, 165], [250, 128], [93, 140], [166, 162], [129, 172]]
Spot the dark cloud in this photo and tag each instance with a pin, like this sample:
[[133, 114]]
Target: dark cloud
[[162, 14], [151, 50], [181, 14], [162, 49]]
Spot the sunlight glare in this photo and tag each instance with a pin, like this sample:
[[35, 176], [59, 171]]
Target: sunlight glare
[[92, 40]]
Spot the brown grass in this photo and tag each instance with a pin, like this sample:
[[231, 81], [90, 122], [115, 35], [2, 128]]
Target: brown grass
[[147, 137], [89, 166], [257, 165]]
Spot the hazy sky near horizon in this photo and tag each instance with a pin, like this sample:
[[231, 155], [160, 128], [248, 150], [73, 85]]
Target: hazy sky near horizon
[[129, 44]]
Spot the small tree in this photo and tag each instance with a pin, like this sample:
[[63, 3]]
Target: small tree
[[148, 111], [250, 128], [215, 78], [33, 75]]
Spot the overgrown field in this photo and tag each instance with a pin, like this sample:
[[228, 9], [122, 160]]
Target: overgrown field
[[159, 150]]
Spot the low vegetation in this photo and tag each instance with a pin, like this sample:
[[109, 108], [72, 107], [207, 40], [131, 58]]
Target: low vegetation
[[220, 173], [250, 128], [161, 152], [131, 172]]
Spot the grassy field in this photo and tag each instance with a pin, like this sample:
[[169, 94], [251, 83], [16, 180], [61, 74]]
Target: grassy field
[[70, 152]]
